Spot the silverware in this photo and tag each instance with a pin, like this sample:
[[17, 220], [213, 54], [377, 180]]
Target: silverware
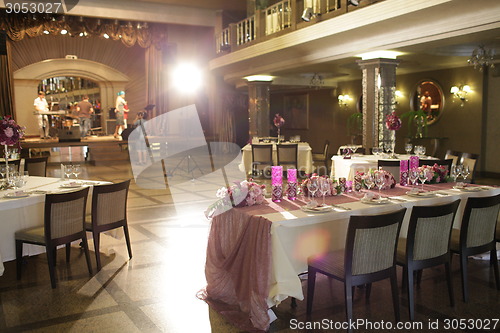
[[341, 207], [397, 199]]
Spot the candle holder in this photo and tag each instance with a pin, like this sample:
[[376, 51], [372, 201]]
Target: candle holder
[[277, 183], [291, 175], [403, 172]]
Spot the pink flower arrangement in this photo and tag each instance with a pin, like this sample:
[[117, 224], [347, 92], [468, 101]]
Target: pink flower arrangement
[[435, 173], [244, 193], [333, 188], [10, 132], [359, 179], [278, 120], [392, 121]]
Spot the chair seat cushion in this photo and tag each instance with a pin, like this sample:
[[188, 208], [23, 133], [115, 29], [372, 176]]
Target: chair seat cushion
[[455, 240], [316, 156], [34, 235], [331, 263]]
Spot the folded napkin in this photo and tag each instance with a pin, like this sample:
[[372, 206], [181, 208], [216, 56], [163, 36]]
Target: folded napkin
[[369, 197]]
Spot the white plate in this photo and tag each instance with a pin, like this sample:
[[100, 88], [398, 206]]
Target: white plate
[[421, 194], [318, 209], [468, 188], [16, 195], [375, 201], [71, 185]]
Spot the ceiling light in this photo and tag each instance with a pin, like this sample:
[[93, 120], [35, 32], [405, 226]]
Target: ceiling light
[[64, 32], [46, 32], [263, 78], [380, 54], [105, 35], [317, 81], [481, 57]]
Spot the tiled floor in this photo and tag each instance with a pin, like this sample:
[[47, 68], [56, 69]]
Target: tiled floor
[[156, 290]]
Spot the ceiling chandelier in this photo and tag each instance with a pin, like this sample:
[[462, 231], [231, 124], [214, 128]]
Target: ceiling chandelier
[[317, 81], [481, 58]]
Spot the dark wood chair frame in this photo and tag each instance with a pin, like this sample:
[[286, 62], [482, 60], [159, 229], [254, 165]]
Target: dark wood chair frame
[[447, 163], [268, 162], [324, 156], [36, 160], [350, 281], [52, 244], [411, 266], [464, 252], [472, 157], [295, 148], [97, 229]]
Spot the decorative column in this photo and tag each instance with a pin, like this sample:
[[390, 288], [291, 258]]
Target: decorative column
[[258, 108], [379, 87]]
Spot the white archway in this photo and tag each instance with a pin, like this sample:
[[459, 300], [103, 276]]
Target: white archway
[[26, 82]]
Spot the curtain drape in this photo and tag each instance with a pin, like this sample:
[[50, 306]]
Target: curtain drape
[[6, 95], [155, 80]]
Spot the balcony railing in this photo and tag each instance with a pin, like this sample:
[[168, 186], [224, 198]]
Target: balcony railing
[[286, 15]]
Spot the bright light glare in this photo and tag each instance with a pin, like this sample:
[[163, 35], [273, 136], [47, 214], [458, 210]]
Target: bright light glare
[[187, 78], [380, 54]]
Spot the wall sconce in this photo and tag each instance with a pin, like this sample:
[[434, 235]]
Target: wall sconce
[[344, 99], [308, 14], [460, 93], [397, 95]]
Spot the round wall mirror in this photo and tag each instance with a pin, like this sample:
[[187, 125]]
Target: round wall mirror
[[428, 96]]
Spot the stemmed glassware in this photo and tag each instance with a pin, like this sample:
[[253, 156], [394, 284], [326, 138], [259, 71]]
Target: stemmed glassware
[[369, 181], [465, 171], [413, 176], [422, 176], [380, 181], [313, 187], [68, 170], [3, 171], [408, 148], [77, 170], [324, 186]]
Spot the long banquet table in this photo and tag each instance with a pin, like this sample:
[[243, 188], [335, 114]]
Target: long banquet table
[[304, 158], [26, 212], [255, 253]]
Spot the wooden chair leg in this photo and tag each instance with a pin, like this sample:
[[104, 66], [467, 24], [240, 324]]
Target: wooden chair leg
[[463, 270], [368, 291], [405, 278], [68, 252], [127, 239], [293, 304], [494, 262], [87, 253], [50, 259], [348, 302], [395, 297], [311, 282], [450, 284], [409, 285], [96, 236], [19, 257]]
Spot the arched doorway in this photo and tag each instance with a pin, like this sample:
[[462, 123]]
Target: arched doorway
[[26, 81]]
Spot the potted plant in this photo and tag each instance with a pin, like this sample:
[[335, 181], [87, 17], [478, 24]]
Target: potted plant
[[419, 118]]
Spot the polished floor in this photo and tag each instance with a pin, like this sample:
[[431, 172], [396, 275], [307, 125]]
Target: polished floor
[[156, 290]]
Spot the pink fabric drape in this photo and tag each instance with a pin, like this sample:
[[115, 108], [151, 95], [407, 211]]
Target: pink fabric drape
[[237, 268]]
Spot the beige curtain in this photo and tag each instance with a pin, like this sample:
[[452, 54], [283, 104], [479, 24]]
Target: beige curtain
[[6, 95], [155, 80]]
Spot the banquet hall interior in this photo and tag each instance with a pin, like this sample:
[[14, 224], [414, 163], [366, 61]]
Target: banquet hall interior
[[333, 69]]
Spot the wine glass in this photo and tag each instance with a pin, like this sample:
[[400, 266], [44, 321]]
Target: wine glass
[[465, 171], [77, 170], [324, 186], [3, 170], [68, 170], [408, 148], [379, 181], [413, 176], [369, 181], [312, 186], [422, 151], [422, 176]]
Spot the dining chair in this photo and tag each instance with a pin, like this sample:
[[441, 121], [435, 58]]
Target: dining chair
[[64, 222], [262, 160], [477, 235], [323, 157], [109, 211], [470, 160], [36, 166], [369, 256], [446, 163], [427, 245], [454, 155], [392, 166], [288, 156]]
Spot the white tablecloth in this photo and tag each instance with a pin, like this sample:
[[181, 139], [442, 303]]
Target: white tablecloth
[[304, 159], [296, 235], [21, 213], [347, 168]]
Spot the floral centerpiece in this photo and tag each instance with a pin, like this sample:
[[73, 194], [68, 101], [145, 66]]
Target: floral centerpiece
[[10, 135], [278, 122], [333, 189], [392, 121], [360, 177], [435, 173], [244, 193]]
